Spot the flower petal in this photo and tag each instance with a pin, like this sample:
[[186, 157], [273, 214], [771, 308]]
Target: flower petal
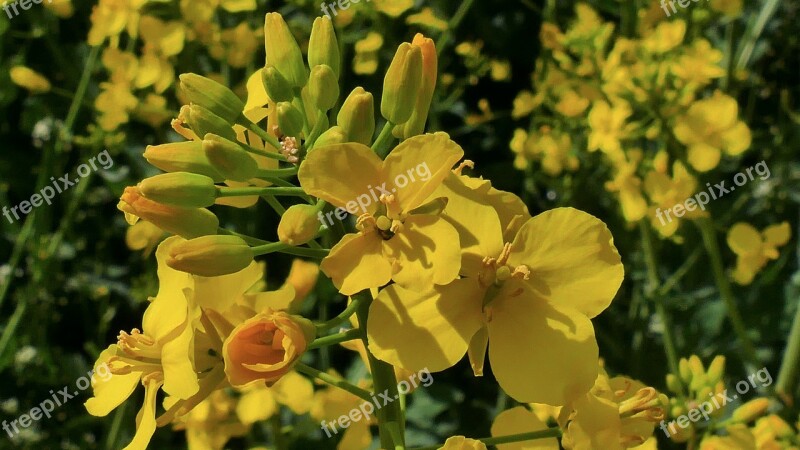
[[744, 239], [519, 420], [357, 263], [146, 419], [110, 392]]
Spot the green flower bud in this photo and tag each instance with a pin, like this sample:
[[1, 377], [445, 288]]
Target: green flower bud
[[229, 158], [276, 85], [401, 84], [283, 51], [211, 256], [212, 96], [357, 116], [716, 369], [299, 224], [202, 121], [187, 156], [290, 119], [323, 87], [673, 383], [334, 135], [751, 410], [188, 190], [323, 47]]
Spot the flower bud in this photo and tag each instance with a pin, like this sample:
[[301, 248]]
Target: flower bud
[[283, 51], [212, 96], [673, 383], [685, 370], [184, 156], [276, 85], [185, 189], [299, 224], [202, 121], [751, 410], [211, 256], [229, 158], [290, 119], [188, 223], [334, 135], [266, 347], [416, 124], [323, 87], [357, 116], [401, 84], [716, 369], [323, 47]]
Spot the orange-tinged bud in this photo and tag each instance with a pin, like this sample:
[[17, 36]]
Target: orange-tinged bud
[[323, 47], [430, 68], [751, 410], [211, 256], [266, 347], [357, 116], [401, 84], [229, 158], [187, 156], [185, 189], [212, 96], [299, 224], [188, 223], [283, 51]]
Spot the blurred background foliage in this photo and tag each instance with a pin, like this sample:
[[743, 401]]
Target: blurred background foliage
[[69, 282]]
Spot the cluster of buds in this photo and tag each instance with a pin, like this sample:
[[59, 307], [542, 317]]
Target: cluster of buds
[[694, 385]]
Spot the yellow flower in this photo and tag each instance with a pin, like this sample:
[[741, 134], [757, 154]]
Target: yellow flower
[[366, 59], [739, 438], [666, 192], [158, 357], [711, 127], [462, 443], [628, 187], [143, 236], [393, 8], [608, 127], [554, 149], [394, 243], [520, 420], [665, 37], [241, 44], [524, 104], [754, 249], [618, 413], [700, 63], [166, 38], [500, 70], [427, 18], [572, 104], [112, 17], [331, 403], [730, 8], [528, 301], [264, 348], [29, 79]]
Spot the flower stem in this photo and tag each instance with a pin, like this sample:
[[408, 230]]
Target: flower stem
[[384, 141], [341, 318], [266, 137], [274, 247], [339, 382], [285, 173], [786, 386], [725, 291], [245, 191], [554, 432], [334, 339]]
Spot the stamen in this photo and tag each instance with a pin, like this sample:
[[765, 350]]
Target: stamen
[[366, 222], [522, 272], [503, 258]]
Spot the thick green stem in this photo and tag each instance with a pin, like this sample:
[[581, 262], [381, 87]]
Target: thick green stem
[[334, 339], [725, 291], [246, 191], [384, 141], [280, 247], [789, 374], [285, 173], [340, 383], [342, 318], [384, 383], [542, 434]]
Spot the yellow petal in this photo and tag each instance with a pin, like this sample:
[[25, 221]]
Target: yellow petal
[[477, 351], [744, 239], [257, 403], [146, 419], [110, 392], [777, 235], [425, 251], [220, 293], [357, 437], [357, 263], [430, 330], [256, 93], [572, 259], [294, 391], [704, 157], [462, 443], [177, 356], [737, 139], [328, 173], [417, 167], [540, 352], [519, 420]]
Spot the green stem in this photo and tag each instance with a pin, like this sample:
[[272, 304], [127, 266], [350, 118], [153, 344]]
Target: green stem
[[274, 191], [280, 247], [384, 382], [725, 291], [384, 141], [334, 339], [316, 132], [541, 434], [279, 173], [266, 137], [255, 151], [249, 239], [342, 318], [455, 21], [277, 433], [790, 367], [753, 32], [339, 382]]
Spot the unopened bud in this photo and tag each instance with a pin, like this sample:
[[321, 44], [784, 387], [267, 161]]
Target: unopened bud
[[188, 223], [212, 96], [211, 256], [283, 51], [323, 47], [685, 370], [277, 86], [751, 410], [202, 121], [323, 87], [188, 190], [357, 116], [401, 84], [673, 383], [229, 158], [416, 124], [334, 135], [299, 224], [187, 156], [716, 369], [290, 119]]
